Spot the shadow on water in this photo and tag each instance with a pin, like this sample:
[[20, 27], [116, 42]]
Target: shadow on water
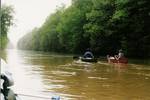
[[3, 54], [140, 61]]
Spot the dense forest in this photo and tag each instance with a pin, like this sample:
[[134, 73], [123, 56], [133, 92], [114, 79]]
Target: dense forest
[[105, 26], [6, 20]]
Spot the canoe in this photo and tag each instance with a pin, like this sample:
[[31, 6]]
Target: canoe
[[114, 60], [88, 59]]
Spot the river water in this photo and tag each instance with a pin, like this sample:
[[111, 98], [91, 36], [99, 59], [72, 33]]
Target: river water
[[49, 74]]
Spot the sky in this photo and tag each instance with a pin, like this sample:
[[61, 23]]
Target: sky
[[29, 14]]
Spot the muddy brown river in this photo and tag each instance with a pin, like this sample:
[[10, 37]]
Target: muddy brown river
[[50, 74]]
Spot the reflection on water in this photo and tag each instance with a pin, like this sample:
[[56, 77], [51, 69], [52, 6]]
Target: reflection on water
[[47, 74]]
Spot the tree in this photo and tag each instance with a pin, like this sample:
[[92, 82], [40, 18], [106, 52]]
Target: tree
[[105, 26], [6, 16]]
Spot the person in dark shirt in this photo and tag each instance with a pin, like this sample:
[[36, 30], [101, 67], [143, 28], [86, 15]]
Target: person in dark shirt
[[88, 54]]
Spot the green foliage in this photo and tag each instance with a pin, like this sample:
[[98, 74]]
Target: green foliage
[[133, 25], [103, 25], [6, 16]]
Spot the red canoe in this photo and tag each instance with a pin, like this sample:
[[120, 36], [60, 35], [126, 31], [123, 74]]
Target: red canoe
[[114, 60]]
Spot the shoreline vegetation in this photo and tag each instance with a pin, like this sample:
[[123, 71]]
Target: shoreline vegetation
[[6, 19], [105, 26]]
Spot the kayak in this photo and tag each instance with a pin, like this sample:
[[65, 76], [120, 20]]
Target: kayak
[[88, 59], [114, 60]]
